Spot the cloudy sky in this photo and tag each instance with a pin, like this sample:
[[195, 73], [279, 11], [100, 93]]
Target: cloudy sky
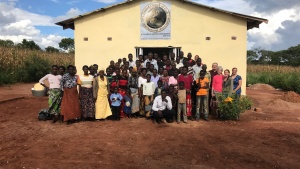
[[34, 19]]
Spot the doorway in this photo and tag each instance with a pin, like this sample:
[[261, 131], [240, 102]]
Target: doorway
[[161, 51]]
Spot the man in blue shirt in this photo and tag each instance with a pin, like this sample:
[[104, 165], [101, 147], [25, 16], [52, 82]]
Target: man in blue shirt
[[116, 99]]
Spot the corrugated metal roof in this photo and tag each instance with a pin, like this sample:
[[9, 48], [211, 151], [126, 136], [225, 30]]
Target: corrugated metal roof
[[251, 20]]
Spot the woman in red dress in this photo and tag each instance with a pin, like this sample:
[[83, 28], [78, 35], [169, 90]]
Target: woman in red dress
[[123, 86]]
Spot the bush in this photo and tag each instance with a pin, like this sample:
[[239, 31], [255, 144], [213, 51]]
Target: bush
[[231, 108], [34, 68]]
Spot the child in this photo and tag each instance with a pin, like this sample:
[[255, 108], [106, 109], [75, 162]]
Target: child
[[128, 103], [181, 103], [113, 84], [116, 99], [158, 88], [148, 92], [203, 84]]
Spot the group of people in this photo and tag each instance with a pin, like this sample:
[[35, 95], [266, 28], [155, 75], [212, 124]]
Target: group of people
[[164, 89]]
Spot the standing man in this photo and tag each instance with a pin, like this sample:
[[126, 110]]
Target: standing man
[[196, 74], [181, 57], [130, 60], [162, 108], [213, 73], [151, 60]]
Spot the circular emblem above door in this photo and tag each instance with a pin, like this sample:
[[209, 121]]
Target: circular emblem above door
[[155, 17]]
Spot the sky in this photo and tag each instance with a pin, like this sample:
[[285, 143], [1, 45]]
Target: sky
[[35, 20]]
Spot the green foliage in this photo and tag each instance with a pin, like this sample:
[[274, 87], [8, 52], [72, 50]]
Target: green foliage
[[51, 49], [34, 68], [6, 43], [67, 44], [230, 107], [28, 45]]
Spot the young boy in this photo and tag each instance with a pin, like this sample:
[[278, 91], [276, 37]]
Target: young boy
[[203, 84], [116, 99], [148, 92], [128, 102], [181, 103], [158, 88]]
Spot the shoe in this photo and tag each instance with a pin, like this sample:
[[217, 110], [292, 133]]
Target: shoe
[[163, 120], [206, 119], [185, 122]]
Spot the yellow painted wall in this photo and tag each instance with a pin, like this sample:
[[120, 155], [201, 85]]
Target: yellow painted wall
[[190, 25]]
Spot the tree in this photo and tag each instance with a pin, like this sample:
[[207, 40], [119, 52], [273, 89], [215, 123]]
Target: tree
[[51, 49], [67, 44], [6, 43], [28, 45]]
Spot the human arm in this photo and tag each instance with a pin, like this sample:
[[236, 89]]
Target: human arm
[[41, 81], [239, 86], [169, 103], [95, 88], [154, 106]]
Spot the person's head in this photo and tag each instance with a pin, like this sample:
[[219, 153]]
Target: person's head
[[116, 90], [159, 83], [130, 69], [234, 71], [54, 69], [108, 72], [199, 61], [92, 70], [143, 71], [181, 85], [124, 72], [214, 66], [163, 93], [134, 72], [189, 56], [181, 54], [154, 72], [196, 57], [145, 57], [184, 70], [101, 73], [226, 72], [173, 64], [186, 63], [148, 65], [148, 77], [165, 73], [165, 57], [171, 89], [155, 56], [126, 64], [173, 56], [220, 70], [71, 70], [150, 56], [151, 67], [177, 60], [176, 73], [114, 78], [61, 70], [130, 57], [117, 71], [138, 63], [85, 69], [119, 60], [160, 70], [122, 67], [168, 62], [204, 67], [96, 67], [141, 57], [112, 63], [117, 65], [202, 74], [124, 60]]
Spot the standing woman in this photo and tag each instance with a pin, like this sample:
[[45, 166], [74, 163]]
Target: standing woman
[[142, 79], [54, 91], [165, 80], [237, 83], [217, 84], [101, 94], [133, 86], [86, 94], [227, 84], [123, 86], [70, 109], [61, 70]]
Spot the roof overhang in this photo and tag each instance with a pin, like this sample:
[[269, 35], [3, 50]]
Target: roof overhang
[[252, 22]]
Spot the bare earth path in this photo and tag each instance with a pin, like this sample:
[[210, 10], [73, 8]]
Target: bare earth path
[[266, 139]]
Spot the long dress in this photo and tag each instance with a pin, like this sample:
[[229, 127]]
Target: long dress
[[86, 96], [102, 106]]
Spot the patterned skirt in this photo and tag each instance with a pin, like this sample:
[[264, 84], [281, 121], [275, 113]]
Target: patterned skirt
[[189, 105], [87, 102], [135, 107], [54, 101], [70, 108], [123, 93]]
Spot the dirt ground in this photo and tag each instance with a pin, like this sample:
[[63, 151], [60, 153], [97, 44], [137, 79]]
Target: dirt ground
[[269, 138]]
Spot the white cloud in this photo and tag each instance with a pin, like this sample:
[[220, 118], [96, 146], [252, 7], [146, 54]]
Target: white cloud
[[106, 1]]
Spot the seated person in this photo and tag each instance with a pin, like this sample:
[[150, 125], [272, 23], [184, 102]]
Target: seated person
[[162, 108]]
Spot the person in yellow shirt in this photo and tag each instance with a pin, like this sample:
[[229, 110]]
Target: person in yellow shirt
[[203, 85]]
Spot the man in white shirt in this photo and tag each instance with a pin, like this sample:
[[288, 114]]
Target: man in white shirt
[[197, 68], [162, 108], [151, 60], [130, 60]]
